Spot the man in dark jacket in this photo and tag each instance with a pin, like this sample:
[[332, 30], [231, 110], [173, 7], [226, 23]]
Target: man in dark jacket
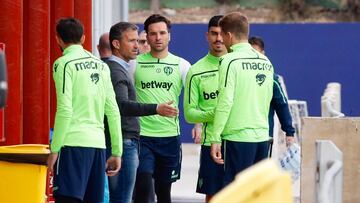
[[124, 45], [279, 103]]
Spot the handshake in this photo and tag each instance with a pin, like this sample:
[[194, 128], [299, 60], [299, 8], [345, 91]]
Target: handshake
[[165, 109]]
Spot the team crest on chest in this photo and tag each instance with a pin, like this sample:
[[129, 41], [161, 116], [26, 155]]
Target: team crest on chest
[[168, 70]]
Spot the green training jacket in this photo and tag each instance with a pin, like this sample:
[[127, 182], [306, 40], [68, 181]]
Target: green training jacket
[[84, 94], [200, 94], [246, 89], [159, 81]]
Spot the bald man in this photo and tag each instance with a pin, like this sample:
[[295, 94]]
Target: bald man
[[104, 46]]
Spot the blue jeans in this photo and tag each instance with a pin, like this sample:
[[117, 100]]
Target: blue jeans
[[121, 186]]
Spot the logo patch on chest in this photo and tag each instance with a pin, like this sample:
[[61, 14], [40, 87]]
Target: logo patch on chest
[[260, 79], [94, 77], [168, 70]]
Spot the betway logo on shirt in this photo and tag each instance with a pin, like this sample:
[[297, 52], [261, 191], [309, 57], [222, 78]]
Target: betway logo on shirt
[[211, 95], [156, 84]]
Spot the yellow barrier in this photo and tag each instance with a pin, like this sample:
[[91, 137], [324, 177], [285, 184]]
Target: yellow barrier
[[23, 182], [261, 183]]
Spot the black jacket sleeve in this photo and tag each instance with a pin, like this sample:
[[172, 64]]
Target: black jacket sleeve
[[281, 107], [125, 93], [129, 107]]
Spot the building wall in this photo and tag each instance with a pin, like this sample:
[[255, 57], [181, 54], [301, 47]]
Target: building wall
[[145, 4], [344, 133], [308, 56]]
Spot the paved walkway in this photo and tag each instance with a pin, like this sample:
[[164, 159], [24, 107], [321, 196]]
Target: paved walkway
[[183, 191]]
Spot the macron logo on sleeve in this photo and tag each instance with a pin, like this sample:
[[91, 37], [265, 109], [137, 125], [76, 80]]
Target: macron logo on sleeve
[[155, 84]]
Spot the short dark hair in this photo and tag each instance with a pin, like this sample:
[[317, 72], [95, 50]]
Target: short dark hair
[[214, 21], [236, 23], [256, 40], [70, 30], [156, 18], [118, 29]]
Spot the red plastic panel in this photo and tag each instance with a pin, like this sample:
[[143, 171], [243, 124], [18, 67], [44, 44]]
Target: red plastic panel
[[83, 12], [11, 33], [2, 135], [36, 95], [58, 9]]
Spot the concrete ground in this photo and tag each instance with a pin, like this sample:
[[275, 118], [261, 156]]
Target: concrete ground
[[183, 191]]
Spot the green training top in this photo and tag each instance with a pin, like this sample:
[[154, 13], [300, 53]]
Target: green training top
[[159, 81], [200, 94], [246, 88], [84, 94]]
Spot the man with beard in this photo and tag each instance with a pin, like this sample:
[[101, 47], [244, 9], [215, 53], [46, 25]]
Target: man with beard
[[159, 77], [200, 98]]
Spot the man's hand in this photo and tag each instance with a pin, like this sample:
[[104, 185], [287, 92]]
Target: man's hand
[[113, 165], [165, 109], [196, 133], [216, 153], [289, 140], [51, 162]]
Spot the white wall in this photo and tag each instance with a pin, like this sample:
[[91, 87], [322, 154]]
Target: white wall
[[105, 14]]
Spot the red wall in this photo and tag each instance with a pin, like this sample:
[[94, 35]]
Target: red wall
[[59, 8], [28, 31], [11, 33], [36, 78]]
